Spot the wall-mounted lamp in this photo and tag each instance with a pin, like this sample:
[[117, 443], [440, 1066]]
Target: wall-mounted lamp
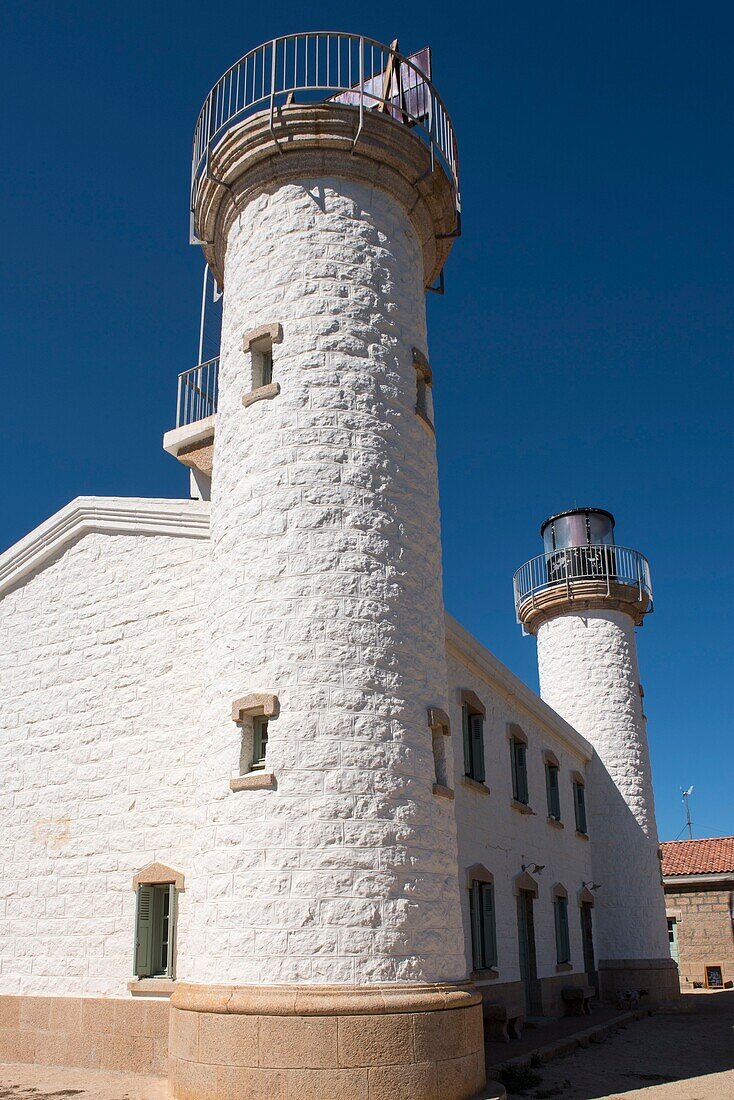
[[533, 868], [591, 885]]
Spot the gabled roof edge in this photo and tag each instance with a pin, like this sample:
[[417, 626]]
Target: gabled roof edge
[[113, 515], [466, 646]]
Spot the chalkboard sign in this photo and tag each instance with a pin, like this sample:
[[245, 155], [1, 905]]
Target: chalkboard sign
[[714, 977]]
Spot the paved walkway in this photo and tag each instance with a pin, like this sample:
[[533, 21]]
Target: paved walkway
[[553, 1031], [687, 1054], [682, 1054], [41, 1082]]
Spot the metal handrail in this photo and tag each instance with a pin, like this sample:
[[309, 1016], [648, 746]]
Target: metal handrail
[[601, 562], [198, 392], [346, 69]]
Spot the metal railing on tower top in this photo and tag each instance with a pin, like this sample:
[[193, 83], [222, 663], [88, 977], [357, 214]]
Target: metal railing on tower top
[[198, 393], [327, 66], [606, 563]]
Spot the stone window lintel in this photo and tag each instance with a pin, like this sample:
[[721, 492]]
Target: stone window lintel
[[473, 701], [272, 332], [257, 703], [157, 874], [477, 873], [525, 881], [516, 733], [439, 719]]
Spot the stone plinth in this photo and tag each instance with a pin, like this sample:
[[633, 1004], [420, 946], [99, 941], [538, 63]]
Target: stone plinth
[[354, 1043]]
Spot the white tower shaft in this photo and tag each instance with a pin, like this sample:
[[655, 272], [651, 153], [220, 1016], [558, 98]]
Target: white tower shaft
[[589, 674], [326, 591]]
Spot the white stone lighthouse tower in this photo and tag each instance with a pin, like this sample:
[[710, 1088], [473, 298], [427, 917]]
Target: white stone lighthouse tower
[[583, 599], [323, 950]]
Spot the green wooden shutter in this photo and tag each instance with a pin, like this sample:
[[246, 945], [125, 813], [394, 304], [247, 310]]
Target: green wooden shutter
[[563, 950], [580, 800], [476, 731], [513, 765], [467, 740], [489, 928], [553, 793], [566, 938], [172, 914], [522, 772], [475, 912], [259, 740], [144, 932]]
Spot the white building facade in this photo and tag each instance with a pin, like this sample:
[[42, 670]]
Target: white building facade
[[282, 826]]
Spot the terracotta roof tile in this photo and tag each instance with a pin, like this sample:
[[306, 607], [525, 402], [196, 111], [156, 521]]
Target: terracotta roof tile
[[713, 856]]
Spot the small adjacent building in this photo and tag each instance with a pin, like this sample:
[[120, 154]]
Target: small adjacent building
[[698, 877]]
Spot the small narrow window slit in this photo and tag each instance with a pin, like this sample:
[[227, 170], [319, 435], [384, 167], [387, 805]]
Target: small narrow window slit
[[438, 721], [258, 343], [252, 714], [424, 388]]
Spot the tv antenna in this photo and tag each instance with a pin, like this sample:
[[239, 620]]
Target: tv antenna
[[686, 795]]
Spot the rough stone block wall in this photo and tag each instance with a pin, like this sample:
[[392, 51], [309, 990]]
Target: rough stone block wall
[[705, 928], [326, 590], [111, 1033], [101, 655]]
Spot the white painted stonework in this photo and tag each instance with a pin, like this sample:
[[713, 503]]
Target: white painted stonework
[[501, 838], [129, 628], [589, 675], [326, 590], [101, 649]]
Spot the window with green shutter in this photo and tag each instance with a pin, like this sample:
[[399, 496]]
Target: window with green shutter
[[553, 791], [519, 762], [483, 925], [154, 930], [563, 945], [579, 800], [473, 725]]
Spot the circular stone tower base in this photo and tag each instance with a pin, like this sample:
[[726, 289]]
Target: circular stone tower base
[[350, 1042]]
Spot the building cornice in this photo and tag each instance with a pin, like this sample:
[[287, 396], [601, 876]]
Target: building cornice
[[706, 878], [112, 515], [461, 644]]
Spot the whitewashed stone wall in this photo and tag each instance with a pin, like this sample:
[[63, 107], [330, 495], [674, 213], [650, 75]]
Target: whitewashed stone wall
[[494, 834], [101, 654], [589, 675], [326, 590]]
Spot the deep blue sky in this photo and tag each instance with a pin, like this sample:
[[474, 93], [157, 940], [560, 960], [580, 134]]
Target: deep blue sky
[[583, 350]]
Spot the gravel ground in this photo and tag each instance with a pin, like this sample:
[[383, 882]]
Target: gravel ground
[[686, 1054]]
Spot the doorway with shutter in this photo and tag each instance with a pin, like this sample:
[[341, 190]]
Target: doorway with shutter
[[528, 957], [587, 940]]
